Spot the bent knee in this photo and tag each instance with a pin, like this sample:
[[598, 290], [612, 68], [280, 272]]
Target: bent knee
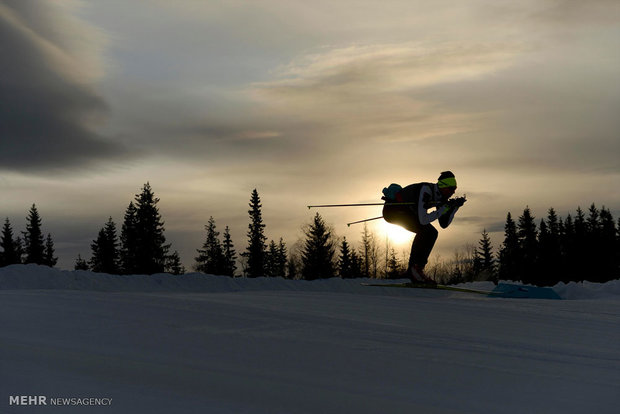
[[430, 231]]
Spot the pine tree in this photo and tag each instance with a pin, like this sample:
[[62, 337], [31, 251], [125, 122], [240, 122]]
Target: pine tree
[[19, 246], [528, 243], [509, 254], [11, 249], [549, 254], [281, 258], [33, 238], [292, 268], [543, 263], [568, 249], [230, 256], [345, 269], [48, 255], [318, 251], [275, 259], [255, 252], [129, 241], [579, 262], [609, 248], [173, 264], [271, 260], [593, 246], [393, 265], [553, 223], [80, 264], [356, 264], [105, 250], [210, 258], [484, 262], [366, 251], [593, 224], [151, 247]]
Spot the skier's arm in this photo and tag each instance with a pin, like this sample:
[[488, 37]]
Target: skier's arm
[[453, 206], [446, 219], [423, 215]]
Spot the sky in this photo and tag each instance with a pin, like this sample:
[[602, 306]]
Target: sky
[[309, 103]]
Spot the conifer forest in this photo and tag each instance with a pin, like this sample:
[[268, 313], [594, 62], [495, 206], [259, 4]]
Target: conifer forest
[[581, 246]]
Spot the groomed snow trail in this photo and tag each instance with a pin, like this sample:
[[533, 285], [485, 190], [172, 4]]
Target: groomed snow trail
[[310, 350]]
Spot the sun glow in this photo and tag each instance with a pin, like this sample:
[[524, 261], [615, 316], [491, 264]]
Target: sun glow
[[396, 234]]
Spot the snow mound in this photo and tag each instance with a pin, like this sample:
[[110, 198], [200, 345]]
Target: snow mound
[[589, 290], [33, 276]]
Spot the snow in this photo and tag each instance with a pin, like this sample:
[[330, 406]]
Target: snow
[[208, 344]]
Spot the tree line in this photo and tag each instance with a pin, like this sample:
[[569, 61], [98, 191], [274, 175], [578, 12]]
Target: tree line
[[140, 248], [586, 247], [31, 247]]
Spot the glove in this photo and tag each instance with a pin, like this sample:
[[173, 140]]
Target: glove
[[456, 202]]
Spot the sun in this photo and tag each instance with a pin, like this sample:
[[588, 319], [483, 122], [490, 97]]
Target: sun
[[396, 234]]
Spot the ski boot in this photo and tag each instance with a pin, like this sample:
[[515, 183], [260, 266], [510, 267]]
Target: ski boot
[[418, 277]]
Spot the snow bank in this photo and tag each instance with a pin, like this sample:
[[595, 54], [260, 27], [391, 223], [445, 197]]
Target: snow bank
[[589, 290], [42, 277], [33, 276]]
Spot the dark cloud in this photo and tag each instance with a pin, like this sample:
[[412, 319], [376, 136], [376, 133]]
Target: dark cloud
[[49, 109]]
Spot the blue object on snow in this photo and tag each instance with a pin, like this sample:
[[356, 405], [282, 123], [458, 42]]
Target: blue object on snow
[[507, 290]]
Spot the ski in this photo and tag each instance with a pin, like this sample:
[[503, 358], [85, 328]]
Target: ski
[[429, 286]]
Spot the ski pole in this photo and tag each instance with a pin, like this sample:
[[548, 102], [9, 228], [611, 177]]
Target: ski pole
[[362, 221], [361, 204]]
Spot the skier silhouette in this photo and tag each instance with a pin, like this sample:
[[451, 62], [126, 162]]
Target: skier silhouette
[[415, 217]]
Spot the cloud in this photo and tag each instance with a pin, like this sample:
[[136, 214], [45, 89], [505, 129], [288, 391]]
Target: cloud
[[49, 108], [369, 92], [350, 73], [578, 13]]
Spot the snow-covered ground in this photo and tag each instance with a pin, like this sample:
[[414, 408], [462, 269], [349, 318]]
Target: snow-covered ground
[[207, 344]]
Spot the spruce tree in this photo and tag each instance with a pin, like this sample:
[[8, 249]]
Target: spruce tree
[[292, 267], [173, 264], [281, 258], [210, 258], [569, 246], [230, 256], [129, 241], [528, 243], [255, 252], [366, 251], [151, 248], [544, 264], [105, 250], [356, 264], [80, 264], [11, 249], [608, 247], [33, 238], [484, 262], [393, 266], [509, 253], [271, 260], [345, 269], [579, 260], [318, 251], [48, 255], [553, 223], [593, 247]]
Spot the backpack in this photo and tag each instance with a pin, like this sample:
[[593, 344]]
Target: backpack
[[390, 193]]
